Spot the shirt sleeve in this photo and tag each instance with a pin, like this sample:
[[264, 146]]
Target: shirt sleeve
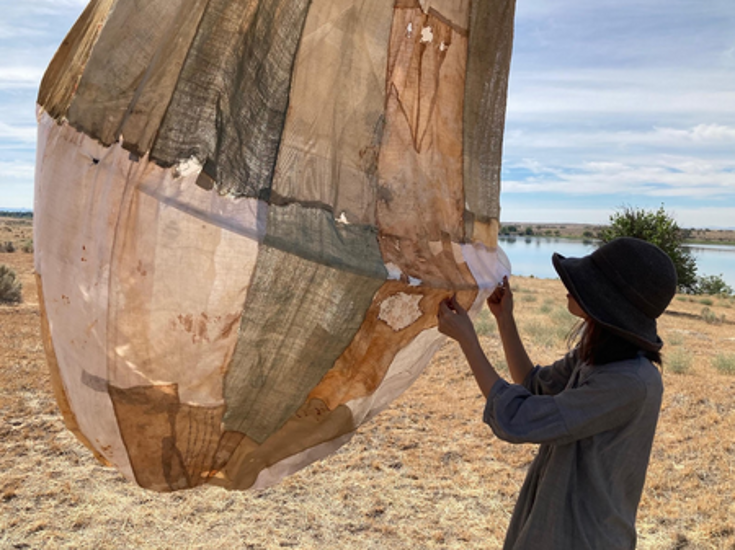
[[606, 400], [553, 379]]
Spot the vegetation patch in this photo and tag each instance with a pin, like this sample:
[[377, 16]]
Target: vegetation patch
[[678, 361], [724, 363], [10, 287]]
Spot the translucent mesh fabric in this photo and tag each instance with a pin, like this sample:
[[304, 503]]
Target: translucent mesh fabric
[[247, 213]]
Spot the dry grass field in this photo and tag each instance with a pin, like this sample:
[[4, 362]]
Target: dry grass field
[[425, 474]]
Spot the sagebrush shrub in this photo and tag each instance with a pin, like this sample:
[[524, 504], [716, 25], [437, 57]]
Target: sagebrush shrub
[[10, 287]]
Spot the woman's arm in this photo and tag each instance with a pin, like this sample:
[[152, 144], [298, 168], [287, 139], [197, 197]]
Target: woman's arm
[[501, 306], [455, 323]]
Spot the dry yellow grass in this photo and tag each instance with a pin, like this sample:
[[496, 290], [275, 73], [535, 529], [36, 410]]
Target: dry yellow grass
[[425, 474]]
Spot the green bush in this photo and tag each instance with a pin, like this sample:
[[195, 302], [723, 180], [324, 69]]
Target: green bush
[[7, 246], [724, 363], [660, 229], [713, 285], [10, 287]]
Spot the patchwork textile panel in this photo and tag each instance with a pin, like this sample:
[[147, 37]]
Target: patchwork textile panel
[[247, 213]]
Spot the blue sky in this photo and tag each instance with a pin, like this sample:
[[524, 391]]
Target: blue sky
[[611, 103]]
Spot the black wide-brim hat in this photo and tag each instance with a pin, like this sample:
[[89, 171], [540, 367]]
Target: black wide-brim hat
[[624, 285]]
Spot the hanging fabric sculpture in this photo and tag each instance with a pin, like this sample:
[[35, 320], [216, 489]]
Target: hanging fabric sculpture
[[247, 213]]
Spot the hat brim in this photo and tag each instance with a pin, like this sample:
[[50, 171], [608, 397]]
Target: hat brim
[[604, 302]]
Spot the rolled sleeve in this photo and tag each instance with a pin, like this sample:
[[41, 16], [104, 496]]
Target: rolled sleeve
[[605, 400]]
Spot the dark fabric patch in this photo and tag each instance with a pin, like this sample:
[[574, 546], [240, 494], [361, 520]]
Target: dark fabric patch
[[133, 70], [486, 88], [231, 99], [62, 76], [313, 234], [298, 318]]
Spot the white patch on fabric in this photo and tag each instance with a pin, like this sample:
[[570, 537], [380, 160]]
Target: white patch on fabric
[[436, 247], [400, 310], [427, 35], [394, 272], [187, 167]]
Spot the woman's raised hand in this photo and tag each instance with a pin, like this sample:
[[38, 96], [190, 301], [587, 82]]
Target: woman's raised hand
[[454, 321], [500, 301]]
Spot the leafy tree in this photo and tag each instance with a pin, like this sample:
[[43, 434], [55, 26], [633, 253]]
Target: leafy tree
[[659, 228]]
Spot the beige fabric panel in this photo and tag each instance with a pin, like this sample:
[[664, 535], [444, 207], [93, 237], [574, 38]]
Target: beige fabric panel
[[77, 176], [328, 155], [177, 289], [63, 74], [57, 384]]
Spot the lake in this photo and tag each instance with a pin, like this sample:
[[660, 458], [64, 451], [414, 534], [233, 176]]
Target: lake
[[532, 256]]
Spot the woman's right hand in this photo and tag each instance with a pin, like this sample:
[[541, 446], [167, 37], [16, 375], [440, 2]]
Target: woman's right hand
[[500, 301]]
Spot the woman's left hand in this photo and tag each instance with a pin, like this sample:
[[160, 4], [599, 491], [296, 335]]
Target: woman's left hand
[[454, 321]]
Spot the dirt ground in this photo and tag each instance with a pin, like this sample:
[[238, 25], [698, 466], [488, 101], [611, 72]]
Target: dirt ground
[[425, 474]]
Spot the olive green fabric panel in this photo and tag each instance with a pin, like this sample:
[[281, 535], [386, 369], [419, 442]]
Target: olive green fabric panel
[[334, 125], [66, 68], [313, 234], [298, 318], [137, 57], [486, 88], [230, 103]]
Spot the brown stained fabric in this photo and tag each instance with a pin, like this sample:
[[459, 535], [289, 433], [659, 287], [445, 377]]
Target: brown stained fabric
[[420, 197], [170, 444], [360, 369], [488, 64], [333, 129], [312, 424], [198, 436], [62, 76], [70, 419], [230, 103], [299, 317], [131, 75]]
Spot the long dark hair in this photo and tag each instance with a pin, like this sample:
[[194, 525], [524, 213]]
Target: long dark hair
[[598, 346]]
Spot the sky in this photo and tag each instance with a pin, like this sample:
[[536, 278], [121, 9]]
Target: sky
[[611, 103]]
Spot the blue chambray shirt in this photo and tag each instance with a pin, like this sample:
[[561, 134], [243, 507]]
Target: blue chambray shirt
[[596, 426]]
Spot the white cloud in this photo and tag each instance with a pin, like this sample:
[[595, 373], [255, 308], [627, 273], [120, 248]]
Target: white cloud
[[20, 77], [653, 176], [21, 135]]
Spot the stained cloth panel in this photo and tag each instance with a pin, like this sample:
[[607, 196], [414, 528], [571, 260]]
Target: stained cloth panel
[[72, 255], [331, 139], [177, 289]]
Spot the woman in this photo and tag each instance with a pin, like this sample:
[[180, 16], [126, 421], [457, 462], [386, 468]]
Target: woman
[[594, 411]]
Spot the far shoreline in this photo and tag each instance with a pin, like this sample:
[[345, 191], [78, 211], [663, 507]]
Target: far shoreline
[[583, 231]]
